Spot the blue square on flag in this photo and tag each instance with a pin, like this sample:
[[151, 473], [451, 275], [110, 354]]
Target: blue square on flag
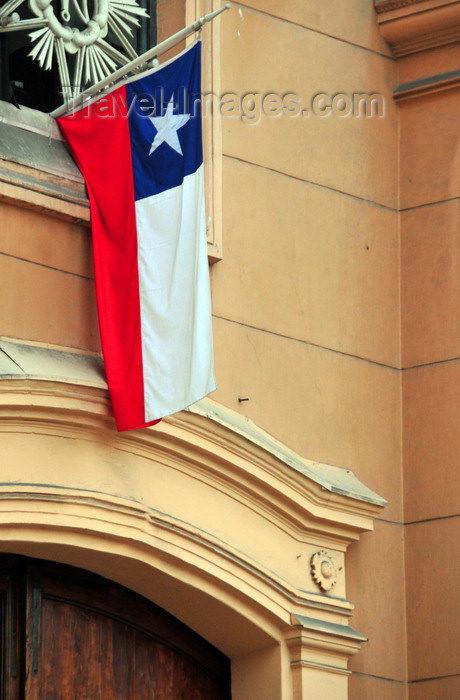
[[139, 148], [165, 113]]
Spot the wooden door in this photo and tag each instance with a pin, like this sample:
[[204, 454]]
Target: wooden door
[[67, 634]]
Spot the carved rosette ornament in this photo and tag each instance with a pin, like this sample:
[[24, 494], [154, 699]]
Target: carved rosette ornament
[[324, 570], [77, 34]]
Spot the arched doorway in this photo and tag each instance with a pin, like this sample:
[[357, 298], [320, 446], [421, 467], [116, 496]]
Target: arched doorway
[[206, 516], [68, 634]]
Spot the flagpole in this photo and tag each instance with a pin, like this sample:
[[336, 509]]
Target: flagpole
[[139, 61]]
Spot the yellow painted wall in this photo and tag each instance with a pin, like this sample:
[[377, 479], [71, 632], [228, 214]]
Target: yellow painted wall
[[430, 266], [335, 304], [47, 280], [306, 299]]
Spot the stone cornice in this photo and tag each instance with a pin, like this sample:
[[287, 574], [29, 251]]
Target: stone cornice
[[304, 495], [307, 635], [425, 86], [410, 26], [388, 5], [36, 169]]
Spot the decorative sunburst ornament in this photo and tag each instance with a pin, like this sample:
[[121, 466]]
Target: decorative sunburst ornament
[[324, 570], [77, 37]]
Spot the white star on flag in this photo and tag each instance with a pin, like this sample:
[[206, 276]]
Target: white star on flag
[[167, 127]]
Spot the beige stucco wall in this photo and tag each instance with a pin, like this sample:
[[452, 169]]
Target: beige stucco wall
[[335, 308], [306, 298], [431, 390]]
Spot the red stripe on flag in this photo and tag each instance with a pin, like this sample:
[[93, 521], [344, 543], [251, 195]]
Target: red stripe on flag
[[100, 143]]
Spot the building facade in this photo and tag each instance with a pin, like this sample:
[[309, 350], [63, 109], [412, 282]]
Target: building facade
[[303, 519]]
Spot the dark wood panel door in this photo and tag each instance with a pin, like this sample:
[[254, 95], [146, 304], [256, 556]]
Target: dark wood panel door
[[80, 637], [10, 672]]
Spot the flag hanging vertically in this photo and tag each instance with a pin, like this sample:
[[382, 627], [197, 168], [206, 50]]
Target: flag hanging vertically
[[139, 149]]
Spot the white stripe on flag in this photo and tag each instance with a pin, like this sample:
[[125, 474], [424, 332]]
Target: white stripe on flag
[[174, 298]]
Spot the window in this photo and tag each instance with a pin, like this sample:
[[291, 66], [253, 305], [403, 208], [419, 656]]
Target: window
[[94, 49]]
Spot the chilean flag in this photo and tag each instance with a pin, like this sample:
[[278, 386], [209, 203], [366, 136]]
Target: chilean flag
[[139, 148]]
